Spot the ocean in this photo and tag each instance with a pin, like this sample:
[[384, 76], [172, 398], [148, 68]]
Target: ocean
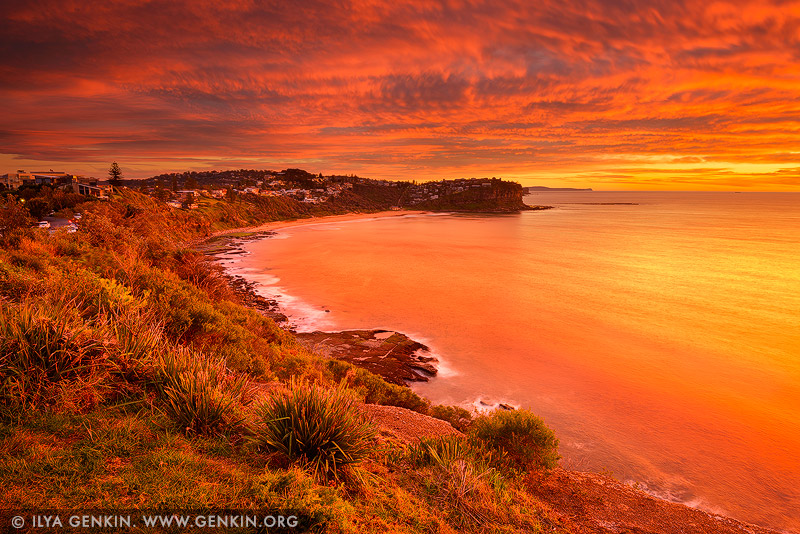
[[658, 333]]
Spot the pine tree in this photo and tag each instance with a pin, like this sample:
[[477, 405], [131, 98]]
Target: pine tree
[[115, 175]]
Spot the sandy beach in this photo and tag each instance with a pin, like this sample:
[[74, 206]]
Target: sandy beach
[[366, 348], [278, 225]]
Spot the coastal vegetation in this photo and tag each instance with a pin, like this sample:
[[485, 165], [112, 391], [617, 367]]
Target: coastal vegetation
[[314, 426], [133, 376], [127, 363]]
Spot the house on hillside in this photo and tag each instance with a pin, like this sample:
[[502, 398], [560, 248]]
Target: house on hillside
[[10, 181], [93, 189], [187, 194], [51, 178]]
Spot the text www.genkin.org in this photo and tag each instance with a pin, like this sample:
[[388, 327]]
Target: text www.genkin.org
[[127, 521]]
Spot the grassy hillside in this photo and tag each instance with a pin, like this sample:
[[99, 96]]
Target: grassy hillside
[[132, 378]]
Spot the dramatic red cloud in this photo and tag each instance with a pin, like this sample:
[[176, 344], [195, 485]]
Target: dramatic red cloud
[[662, 94]]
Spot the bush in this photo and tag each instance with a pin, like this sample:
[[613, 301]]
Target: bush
[[520, 436], [14, 221], [16, 283], [374, 389], [458, 417], [315, 427]]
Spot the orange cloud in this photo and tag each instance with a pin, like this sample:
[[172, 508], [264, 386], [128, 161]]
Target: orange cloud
[[611, 94]]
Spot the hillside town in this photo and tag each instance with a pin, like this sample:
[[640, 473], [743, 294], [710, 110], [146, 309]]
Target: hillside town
[[181, 190], [297, 184], [49, 196]]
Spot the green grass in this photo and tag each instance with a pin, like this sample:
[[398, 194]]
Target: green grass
[[120, 458]]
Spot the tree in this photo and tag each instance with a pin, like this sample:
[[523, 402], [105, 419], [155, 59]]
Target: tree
[[115, 175], [13, 215], [38, 207], [161, 194]]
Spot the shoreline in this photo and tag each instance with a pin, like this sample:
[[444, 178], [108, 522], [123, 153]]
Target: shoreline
[[273, 226], [624, 503], [390, 354]]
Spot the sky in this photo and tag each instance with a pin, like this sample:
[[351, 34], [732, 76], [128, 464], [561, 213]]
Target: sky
[[608, 94]]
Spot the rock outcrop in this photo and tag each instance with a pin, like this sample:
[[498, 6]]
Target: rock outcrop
[[392, 355]]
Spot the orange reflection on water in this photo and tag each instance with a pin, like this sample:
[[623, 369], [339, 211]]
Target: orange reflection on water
[[661, 340]]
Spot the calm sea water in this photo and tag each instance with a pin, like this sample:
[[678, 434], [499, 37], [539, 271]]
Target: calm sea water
[[660, 340]]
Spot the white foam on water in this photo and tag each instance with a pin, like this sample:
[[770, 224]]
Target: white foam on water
[[444, 369], [303, 317], [485, 404], [280, 235], [677, 495]]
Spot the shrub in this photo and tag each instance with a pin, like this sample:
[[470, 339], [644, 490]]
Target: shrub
[[200, 271], [17, 283], [458, 417], [522, 437], [374, 389], [199, 395], [14, 221], [316, 427]]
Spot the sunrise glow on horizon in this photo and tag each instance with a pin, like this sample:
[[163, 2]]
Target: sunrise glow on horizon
[[612, 95]]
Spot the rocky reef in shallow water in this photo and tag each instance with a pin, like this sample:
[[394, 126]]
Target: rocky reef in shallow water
[[392, 355]]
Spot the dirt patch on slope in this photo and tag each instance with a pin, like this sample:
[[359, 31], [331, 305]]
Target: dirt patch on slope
[[406, 425]]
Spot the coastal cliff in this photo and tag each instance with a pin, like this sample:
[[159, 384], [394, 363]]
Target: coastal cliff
[[486, 195]]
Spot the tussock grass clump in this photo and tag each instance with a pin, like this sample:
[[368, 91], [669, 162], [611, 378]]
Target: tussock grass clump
[[443, 452], [199, 394], [461, 478], [315, 427], [139, 338], [439, 451], [39, 348], [524, 440]]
